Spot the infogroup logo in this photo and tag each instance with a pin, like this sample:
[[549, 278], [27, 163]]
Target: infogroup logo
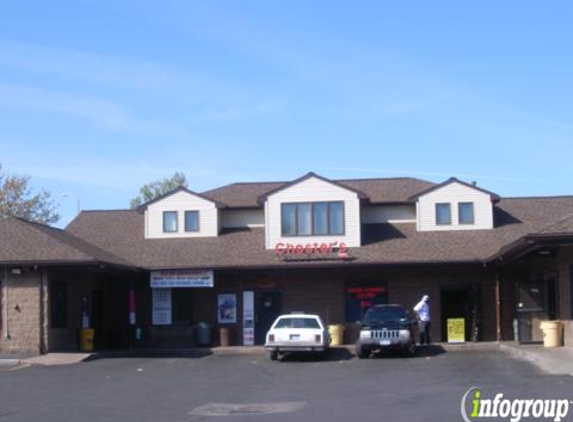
[[475, 407]]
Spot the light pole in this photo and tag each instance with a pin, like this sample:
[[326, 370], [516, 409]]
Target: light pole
[[68, 195]]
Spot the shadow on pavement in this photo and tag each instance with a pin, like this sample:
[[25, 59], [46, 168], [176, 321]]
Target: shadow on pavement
[[334, 354], [151, 353]]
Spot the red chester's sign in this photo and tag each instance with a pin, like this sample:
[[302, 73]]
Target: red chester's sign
[[284, 249]]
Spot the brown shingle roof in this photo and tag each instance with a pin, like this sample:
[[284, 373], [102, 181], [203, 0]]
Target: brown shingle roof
[[23, 241], [121, 233], [395, 190]]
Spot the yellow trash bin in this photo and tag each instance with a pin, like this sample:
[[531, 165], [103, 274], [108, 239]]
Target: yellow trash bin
[[552, 333], [87, 339], [336, 332]]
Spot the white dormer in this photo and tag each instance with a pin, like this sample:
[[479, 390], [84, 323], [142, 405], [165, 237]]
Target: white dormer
[[311, 210], [454, 205], [181, 214]]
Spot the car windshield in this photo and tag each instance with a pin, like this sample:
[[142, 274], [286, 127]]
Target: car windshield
[[385, 313], [297, 323]]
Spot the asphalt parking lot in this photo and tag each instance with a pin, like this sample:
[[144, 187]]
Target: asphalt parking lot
[[252, 388]]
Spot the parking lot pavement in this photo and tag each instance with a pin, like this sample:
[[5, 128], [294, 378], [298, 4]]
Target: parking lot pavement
[[252, 388]]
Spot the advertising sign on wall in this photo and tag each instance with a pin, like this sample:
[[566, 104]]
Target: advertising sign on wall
[[227, 308], [161, 314], [456, 330], [248, 318], [166, 279]]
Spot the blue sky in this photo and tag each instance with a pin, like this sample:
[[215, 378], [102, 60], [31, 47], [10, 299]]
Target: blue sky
[[100, 97]]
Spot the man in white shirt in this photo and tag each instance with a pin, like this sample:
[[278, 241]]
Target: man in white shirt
[[422, 310]]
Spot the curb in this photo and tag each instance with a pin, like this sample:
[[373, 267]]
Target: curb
[[8, 363]]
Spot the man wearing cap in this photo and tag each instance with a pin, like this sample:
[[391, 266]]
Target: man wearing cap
[[422, 310]]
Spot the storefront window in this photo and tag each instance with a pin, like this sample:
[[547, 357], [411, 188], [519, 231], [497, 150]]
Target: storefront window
[[361, 296], [304, 219], [320, 218]]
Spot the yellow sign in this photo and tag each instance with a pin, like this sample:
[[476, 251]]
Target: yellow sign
[[456, 330]]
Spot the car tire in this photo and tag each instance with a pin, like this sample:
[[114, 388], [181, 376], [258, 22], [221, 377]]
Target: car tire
[[361, 352], [410, 351], [274, 355]]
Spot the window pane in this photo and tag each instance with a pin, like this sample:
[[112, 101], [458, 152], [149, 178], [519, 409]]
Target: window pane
[[466, 212], [169, 221], [336, 221], [304, 219], [288, 216], [443, 214], [320, 218], [191, 221]]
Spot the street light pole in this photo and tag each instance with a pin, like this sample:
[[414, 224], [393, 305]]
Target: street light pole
[[67, 195]]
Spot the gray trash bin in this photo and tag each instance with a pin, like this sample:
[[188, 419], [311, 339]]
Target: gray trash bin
[[203, 334]]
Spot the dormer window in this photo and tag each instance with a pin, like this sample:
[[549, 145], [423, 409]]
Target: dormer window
[[312, 218], [443, 214], [169, 221], [191, 221], [466, 213]]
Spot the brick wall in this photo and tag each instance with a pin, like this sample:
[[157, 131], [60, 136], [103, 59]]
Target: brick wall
[[21, 312]]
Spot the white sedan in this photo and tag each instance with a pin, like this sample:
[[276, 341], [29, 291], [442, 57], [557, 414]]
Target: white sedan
[[297, 332]]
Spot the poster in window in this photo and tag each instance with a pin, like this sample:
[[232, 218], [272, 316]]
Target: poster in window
[[161, 307], [227, 308]]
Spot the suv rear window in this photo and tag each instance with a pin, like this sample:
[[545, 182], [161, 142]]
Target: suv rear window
[[297, 323], [385, 313]]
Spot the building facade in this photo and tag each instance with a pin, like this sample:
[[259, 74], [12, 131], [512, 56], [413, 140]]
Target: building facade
[[237, 256]]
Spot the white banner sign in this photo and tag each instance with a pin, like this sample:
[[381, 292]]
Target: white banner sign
[[166, 279], [248, 318], [161, 306]]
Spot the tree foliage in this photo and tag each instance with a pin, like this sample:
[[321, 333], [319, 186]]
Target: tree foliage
[[18, 200], [157, 188]]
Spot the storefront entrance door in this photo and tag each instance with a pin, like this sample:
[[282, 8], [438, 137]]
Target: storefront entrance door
[[532, 308], [268, 307]]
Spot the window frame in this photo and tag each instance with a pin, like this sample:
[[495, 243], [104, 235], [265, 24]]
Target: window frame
[[449, 221], [198, 229], [312, 222], [165, 213], [473, 219]]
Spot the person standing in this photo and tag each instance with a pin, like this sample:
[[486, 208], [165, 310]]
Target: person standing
[[422, 310]]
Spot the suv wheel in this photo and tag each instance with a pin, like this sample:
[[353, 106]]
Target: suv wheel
[[361, 352], [410, 350]]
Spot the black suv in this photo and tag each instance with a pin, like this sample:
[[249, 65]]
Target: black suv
[[386, 327]]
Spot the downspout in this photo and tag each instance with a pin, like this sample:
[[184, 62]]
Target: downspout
[[6, 303]]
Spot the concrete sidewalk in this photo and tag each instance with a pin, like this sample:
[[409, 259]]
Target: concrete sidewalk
[[555, 360]]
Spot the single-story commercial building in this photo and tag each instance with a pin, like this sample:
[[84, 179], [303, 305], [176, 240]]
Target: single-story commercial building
[[237, 256]]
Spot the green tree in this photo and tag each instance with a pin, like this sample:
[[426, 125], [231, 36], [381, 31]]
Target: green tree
[[157, 188], [18, 200]]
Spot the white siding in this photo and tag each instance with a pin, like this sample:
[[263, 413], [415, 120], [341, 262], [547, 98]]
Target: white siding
[[453, 194], [242, 218], [181, 201], [313, 190], [376, 214]]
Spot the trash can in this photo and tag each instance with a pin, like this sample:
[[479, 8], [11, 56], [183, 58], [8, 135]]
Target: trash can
[[203, 334], [336, 332], [552, 333], [225, 339], [87, 339]]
